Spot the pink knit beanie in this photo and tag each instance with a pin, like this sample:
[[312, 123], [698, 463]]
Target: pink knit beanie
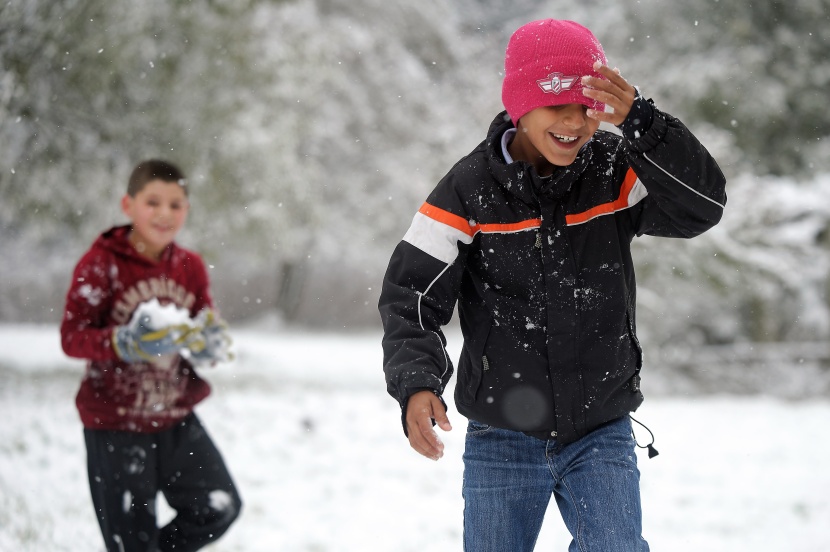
[[544, 64]]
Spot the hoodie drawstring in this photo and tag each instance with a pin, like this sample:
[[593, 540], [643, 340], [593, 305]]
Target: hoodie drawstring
[[652, 452]]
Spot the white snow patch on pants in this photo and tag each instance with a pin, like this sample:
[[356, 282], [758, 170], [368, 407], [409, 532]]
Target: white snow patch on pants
[[220, 500], [119, 542]]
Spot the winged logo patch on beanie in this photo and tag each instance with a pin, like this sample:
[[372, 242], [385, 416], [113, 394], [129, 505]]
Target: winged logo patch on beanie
[[556, 83]]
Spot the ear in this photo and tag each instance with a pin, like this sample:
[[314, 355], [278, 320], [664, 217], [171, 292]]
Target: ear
[[126, 204]]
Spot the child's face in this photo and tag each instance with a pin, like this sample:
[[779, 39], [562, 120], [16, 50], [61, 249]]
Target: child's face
[[553, 135], [157, 212]]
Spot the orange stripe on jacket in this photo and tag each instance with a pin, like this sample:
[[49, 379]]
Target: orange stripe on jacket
[[445, 217], [605, 208], [507, 228], [463, 225]]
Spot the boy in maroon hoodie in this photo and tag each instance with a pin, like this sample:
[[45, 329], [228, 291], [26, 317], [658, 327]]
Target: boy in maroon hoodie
[[136, 399]]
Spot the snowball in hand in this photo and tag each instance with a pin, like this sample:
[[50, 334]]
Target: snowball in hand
[[155, 316], [204, 339]]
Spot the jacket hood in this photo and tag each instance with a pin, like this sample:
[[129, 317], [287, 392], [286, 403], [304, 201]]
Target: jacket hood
[[520, 177]]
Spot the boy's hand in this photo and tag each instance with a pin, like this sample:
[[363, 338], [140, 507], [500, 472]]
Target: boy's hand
[[614, 92], [140, 342], [211, 341], [422, 408]]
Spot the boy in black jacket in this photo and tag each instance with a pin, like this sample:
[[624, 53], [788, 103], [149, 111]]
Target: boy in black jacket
[[530, 235]]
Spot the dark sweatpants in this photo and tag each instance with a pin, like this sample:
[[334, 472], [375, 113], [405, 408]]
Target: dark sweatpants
[[127, 470]]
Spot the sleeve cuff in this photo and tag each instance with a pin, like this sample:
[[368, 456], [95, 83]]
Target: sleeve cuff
[[639, 118]]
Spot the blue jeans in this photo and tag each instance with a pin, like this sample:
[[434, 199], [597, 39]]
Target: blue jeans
[[510, 477]]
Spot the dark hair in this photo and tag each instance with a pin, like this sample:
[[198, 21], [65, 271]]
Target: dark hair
[[155, 169]]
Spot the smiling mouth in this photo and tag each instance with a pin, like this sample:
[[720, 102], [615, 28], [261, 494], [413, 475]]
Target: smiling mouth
[[565, 139]]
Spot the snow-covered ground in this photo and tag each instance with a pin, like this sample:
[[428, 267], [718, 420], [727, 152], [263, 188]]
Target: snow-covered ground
[[316, 448]]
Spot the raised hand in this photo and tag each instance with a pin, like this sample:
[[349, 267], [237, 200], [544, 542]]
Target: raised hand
[[614, 92]]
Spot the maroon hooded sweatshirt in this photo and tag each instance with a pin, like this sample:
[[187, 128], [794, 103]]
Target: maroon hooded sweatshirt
[[108, 283]]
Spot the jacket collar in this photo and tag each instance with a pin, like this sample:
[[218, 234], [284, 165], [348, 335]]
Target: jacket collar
[[117, 240], [520, 178]]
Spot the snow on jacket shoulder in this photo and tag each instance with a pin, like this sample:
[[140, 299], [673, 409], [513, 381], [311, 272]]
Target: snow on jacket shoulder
[[542, 274]]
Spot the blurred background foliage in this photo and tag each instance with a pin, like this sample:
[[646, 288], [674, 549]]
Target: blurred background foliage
[[312, 130]]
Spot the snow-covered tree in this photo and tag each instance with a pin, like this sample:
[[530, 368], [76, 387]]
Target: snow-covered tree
[[312, 130]]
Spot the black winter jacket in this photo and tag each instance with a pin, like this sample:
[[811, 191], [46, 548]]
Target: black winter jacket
[[542, 273]]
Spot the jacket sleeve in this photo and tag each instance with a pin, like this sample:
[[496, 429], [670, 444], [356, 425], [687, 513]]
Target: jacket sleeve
[[199, 283], [686, 188], [85, 330], [418, 296]]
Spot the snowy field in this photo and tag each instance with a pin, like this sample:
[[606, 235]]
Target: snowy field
[[316, 448]]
